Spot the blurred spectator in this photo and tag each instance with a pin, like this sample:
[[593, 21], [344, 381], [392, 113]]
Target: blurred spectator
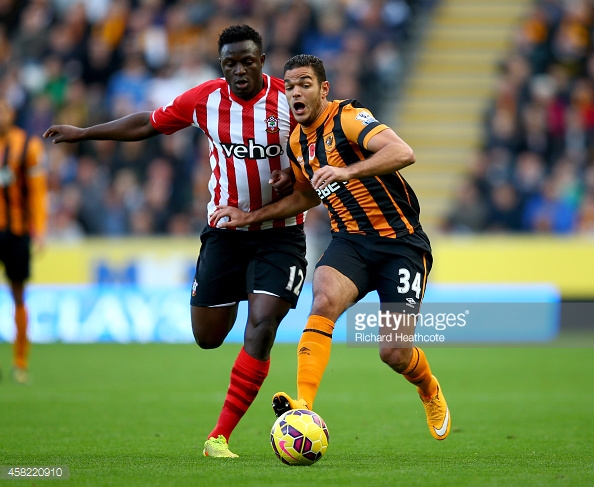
[[127, 88], [505, 212], [92, 183], [548, 212], [529, 174], [538, 153], [64, 225], [469, 213], [158, 190], [586, 215], [81, 62]]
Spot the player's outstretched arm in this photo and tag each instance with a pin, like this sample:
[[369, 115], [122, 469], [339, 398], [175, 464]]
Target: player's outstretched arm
[[291, 205], [132, 127]]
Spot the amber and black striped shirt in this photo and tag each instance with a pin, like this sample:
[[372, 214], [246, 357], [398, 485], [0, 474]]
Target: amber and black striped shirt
[[23, 190], [380, 205]]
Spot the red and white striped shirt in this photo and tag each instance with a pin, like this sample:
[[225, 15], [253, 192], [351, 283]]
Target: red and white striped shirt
[[247, 141]]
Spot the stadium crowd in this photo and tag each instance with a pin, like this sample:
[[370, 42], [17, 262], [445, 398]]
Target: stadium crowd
[[85, 62], [535, 170]]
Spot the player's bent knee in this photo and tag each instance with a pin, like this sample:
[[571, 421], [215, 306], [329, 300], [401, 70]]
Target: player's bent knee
[[324, 305], [205, 340], [207, 344], [259, 338], [262, 331], [210, 326], [204, 345], [397, 358], [265, 323]]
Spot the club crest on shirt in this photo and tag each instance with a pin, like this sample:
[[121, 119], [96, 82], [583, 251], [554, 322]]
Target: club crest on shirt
[[312, 152], [365, 118], [272, 124], [329, 142]]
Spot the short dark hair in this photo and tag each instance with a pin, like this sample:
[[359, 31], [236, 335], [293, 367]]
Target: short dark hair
[[306, 61], [239, 33]]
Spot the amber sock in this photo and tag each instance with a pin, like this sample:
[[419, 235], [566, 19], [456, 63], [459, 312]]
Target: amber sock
[[21, 343], [418, 373], [312, 356]]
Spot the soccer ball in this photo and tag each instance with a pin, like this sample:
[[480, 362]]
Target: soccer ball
[[299, 437]]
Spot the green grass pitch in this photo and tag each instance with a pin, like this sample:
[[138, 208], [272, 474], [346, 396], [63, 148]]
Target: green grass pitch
[[137, 415]]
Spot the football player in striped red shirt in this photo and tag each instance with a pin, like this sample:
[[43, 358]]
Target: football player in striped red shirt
[[247, 120]]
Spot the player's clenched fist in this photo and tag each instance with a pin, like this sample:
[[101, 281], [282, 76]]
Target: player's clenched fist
[[282, 182]]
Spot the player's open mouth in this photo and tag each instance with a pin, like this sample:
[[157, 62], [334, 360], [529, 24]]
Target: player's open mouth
[[241, 84], [298, 107]]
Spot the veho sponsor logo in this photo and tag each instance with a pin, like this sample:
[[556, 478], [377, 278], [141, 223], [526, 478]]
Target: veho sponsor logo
[[252, 150]]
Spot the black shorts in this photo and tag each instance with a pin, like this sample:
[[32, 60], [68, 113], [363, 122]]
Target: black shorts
[[396, 270], [15, 253], [233, 263]]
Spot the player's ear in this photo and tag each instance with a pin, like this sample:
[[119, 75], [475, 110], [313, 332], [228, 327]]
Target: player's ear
[[325, 88], [263, 58]]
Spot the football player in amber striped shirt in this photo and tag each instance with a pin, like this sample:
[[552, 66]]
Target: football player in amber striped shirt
[[23, 216], [348, 160], [247, 120]]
